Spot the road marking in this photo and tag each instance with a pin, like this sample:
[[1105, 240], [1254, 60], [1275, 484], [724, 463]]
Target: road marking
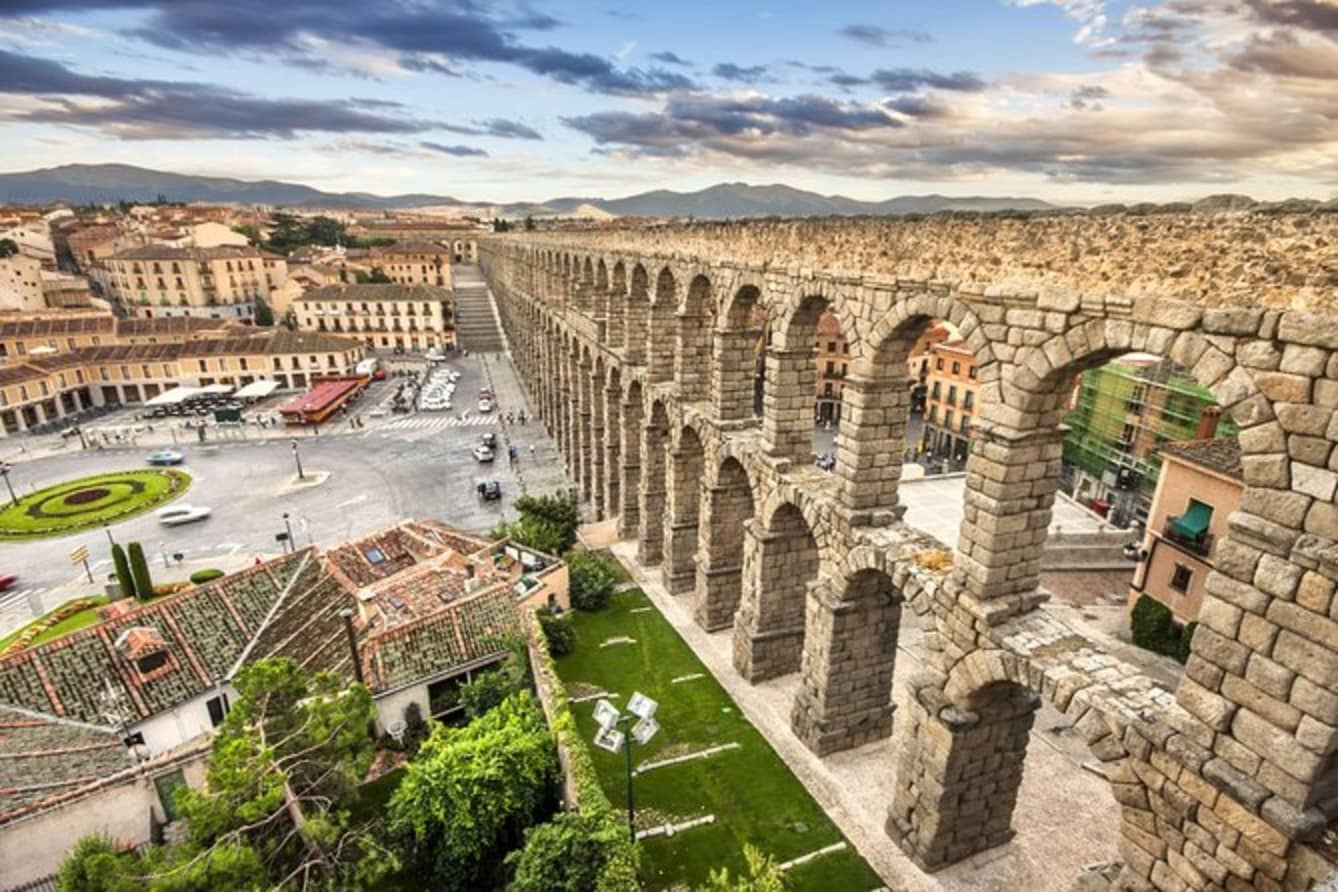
[[353, 501]]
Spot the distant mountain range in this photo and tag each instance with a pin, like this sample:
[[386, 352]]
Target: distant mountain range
[[108, 183]]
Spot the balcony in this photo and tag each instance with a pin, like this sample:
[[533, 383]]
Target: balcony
[[1201, 545]]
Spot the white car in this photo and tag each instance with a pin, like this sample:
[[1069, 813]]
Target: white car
[[485, 405], [483, 454], [176, 515]]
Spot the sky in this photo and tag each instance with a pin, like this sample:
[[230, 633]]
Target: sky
[[1073, 101]]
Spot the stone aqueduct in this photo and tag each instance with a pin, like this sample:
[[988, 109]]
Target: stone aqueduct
[[638, 347]]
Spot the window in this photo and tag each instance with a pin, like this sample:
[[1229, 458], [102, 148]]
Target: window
[[1180, 578], [831, 368], [935, 391], [204, 365], [969, 400], [971, 373], [956, 368], [218, 709], [167, 785], [831, 346], [947, 420], [938, 364], [966, 423], [952, 394]]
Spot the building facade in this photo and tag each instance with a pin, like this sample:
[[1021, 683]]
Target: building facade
[[833, 364], [414, 263], [1199, 487], [219, 283], [950, 400], [409, 317], [21, 283]]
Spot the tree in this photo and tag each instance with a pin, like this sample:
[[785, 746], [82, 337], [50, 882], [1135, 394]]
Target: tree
[[558, 632], [488, 689], [529, 223], [547, 523], [568, 854], [764, 875], [470, 794], [263, 314], [139, 572], [251, 231], [123, 577], [593, 578], [376, 277], [8, 247]]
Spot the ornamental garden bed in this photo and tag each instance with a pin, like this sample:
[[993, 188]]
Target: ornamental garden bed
[[90, 502]]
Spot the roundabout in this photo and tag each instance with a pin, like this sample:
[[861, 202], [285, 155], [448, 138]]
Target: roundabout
[[90, 502]]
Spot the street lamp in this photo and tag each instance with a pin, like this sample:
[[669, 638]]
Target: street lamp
[[288, 527], [297, 457], [641, 716], [5, 468]]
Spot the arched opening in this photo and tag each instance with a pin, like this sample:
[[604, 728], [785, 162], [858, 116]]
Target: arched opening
[[686, 465], [845, 692], [739, 339], [617, 307], [633, 413], [613, 438], [637, 316], [599, 436], [654, 448], [585, 390], [727, 513], [780, 561], [663, 328], [790, 421], [693, 356]]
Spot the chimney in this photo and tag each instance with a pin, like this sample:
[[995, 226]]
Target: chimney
[[347, 616], [1208, 423]]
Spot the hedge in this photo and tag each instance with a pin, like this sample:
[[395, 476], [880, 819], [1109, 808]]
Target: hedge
[[620, 868], [1153, 627], [200, 577]]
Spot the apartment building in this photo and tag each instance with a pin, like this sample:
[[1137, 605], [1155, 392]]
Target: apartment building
[[1200, 485], [411, 317], [950, 400], [21, 283], [414, 263], [220, 282], [62, 331], [833, 358]]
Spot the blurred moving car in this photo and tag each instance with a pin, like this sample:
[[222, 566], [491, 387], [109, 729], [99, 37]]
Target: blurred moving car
[[483, 454], [176, 515], [167, 457], [7, 581]]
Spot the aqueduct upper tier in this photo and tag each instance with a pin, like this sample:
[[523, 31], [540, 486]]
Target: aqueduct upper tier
[[641, 348]]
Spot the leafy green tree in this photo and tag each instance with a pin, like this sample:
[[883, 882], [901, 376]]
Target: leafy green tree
[[376, 277], [139, 572], [764, 875], [593, 578], [529, 223], [468, 797], [558, 631], [568, 854], [8, 247], [251, 231], [122, 565], [263, 314], [547, 523]]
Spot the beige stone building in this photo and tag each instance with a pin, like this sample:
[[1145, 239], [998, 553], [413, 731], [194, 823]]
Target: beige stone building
[[413, 317], [220, 283], [414, 263], [950, 400], [833, 359], [21, 283], [131, 366], [1200, 486]]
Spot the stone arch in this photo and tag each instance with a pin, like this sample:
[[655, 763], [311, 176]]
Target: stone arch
[[655, 439], [692, 354], [727, 511], [781, 562], [613, 433], [637, 315], [686, 466], [850, 634], [736, 369], [662, 330]]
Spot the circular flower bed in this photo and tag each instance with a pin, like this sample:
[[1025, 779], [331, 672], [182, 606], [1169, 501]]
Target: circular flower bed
[[90, 502]]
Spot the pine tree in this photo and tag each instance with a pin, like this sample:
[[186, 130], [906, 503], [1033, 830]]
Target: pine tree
[[139, 569], [123, 577]]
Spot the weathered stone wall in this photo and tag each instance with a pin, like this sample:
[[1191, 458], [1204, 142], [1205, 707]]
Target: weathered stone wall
[[1225, 784]]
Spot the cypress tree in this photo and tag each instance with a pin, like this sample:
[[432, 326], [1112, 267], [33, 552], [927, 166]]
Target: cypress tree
[[122, 566], [139, 569]]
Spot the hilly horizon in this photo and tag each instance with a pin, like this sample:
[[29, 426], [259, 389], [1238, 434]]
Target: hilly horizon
[[110, 183]]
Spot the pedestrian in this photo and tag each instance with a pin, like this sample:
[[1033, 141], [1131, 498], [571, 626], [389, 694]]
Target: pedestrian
[[531, 450]]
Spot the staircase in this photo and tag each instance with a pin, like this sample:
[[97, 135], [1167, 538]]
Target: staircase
[[475, 322]]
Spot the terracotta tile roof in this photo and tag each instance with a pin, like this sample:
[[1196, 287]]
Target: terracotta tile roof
[[43, 758], [167, 252], [1221, 455], [379, 292]]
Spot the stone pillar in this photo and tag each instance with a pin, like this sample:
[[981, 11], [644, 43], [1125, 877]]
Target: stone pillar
[[680, 533], [1011, 480], [720, 549], [787, 410], [850, 647], [650, 532], [660, 343], [635, 328], [617, 322], [629, 514], [958, 774], [871, 443], [598, 437], [769, 627], [692, 358], [586, 459], [612, 447], [733, 373]]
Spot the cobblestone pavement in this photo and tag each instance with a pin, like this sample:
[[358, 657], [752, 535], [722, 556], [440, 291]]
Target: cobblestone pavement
[[856, 786]]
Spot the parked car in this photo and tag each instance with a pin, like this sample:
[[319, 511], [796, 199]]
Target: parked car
[[483, 454], [485, 405], [490, 440], [176, 515], [166, 457], [7, 580], [490, 490]]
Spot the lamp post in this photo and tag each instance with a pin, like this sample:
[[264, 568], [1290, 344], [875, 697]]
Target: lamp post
[[297, 457], [641, 716], [5, 468], [288, 527]]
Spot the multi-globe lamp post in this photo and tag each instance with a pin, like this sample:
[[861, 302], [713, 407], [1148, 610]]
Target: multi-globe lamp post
[[641, 716]]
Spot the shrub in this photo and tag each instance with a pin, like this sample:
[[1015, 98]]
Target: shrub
[[202, 576], [593, 579], [139, 571], [123, 577], [568, 854], [764, 875], [558, 631], [1186, 635], [547, 523], [1153, 627]]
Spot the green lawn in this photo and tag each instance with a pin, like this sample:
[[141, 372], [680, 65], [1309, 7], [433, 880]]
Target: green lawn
[[81, 620], [750, 791], [90, 502]]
